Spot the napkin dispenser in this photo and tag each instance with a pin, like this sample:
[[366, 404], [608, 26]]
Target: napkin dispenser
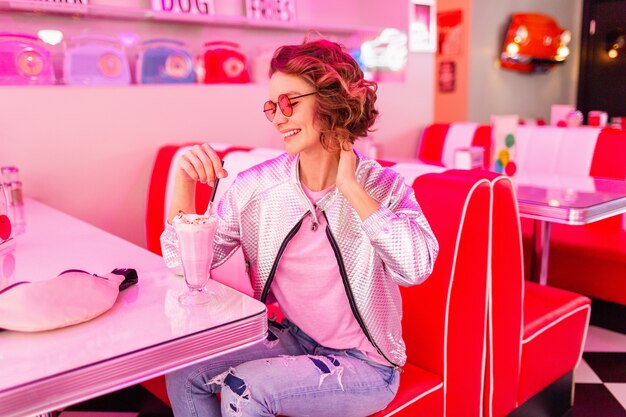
[[472, 157], [24, 60], [95, 60], [224, 63], [165, 61]]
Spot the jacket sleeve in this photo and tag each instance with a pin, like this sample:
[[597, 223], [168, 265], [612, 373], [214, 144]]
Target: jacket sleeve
[[402, 237], [225, 243]]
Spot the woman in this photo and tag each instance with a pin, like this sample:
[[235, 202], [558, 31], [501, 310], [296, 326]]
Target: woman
[[329, 234]]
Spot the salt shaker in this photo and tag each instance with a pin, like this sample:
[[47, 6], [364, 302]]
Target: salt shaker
[[8, 174]]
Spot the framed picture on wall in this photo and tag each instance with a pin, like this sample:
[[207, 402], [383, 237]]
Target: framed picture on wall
[[422, 26], [450, 29], [447, 76]]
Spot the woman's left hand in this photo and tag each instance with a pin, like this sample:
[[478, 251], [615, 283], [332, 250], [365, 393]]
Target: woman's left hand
[[346, 172]]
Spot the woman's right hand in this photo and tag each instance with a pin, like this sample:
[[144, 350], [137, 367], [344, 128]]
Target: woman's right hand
[[201, 163]]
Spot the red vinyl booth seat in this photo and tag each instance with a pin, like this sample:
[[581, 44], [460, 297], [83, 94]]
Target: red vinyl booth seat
[[536, 333], [577, 253], [444, 319]]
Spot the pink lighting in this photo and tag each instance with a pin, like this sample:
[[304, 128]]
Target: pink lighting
[[129, 39], [50, 36]]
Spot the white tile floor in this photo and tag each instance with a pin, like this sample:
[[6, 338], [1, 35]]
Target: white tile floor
[[619, 391], [585, 375], [603, 340], [600, 341]]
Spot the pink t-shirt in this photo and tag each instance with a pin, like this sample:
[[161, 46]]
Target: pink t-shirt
[[310, 291]]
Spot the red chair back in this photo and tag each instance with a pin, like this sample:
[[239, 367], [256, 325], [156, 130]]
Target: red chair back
[[507, 286], [502, 370], [445, 318]]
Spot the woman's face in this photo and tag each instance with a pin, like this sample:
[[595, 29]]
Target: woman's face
[[298, 130]]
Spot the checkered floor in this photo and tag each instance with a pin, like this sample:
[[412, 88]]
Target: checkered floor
[[600, 389]]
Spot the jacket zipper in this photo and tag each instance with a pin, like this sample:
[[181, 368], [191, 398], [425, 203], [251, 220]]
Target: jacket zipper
[[346, 284], [290, 236]]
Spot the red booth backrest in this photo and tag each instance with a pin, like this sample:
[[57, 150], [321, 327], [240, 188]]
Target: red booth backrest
[[449, 309], [506, 318], [502, 369], [440, 140], [536, 333], [580, 151]]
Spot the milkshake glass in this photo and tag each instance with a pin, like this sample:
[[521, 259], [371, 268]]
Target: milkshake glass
[[195, 237]]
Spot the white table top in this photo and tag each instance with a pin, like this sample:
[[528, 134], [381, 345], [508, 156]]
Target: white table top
[[146, 333], [570, 200]]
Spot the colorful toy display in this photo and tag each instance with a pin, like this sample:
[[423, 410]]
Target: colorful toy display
[[95, 60], [164, 61], [503, 139], [24, 60], [224, 63]]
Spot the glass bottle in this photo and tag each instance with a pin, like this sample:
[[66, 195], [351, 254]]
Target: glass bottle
[[17, 204], [10, 174]]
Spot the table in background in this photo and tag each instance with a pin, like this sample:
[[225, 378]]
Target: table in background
[[567, 200], [146, 333]]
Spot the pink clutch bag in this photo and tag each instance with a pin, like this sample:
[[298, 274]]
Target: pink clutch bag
[[72, 297]]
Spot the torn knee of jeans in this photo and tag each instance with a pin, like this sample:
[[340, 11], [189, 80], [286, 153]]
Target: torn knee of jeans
[[328, 365], [218, 379], [239, 388]]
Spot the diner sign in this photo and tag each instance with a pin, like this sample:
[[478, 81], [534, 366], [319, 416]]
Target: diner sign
[[59, 2], [57, 5], [199, 7], [281, 10]]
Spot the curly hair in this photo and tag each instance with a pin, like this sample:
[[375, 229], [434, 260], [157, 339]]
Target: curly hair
[[345, 101]]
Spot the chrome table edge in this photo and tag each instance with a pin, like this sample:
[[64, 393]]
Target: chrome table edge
[[572, 215], [71, 387]]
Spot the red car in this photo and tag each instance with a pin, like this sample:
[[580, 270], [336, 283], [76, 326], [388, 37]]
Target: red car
[[534, 43]]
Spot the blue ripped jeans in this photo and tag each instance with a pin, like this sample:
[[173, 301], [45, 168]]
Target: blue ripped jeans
[[290, 375]]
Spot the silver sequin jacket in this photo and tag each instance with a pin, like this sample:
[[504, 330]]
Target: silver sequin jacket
[[265, 207]]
